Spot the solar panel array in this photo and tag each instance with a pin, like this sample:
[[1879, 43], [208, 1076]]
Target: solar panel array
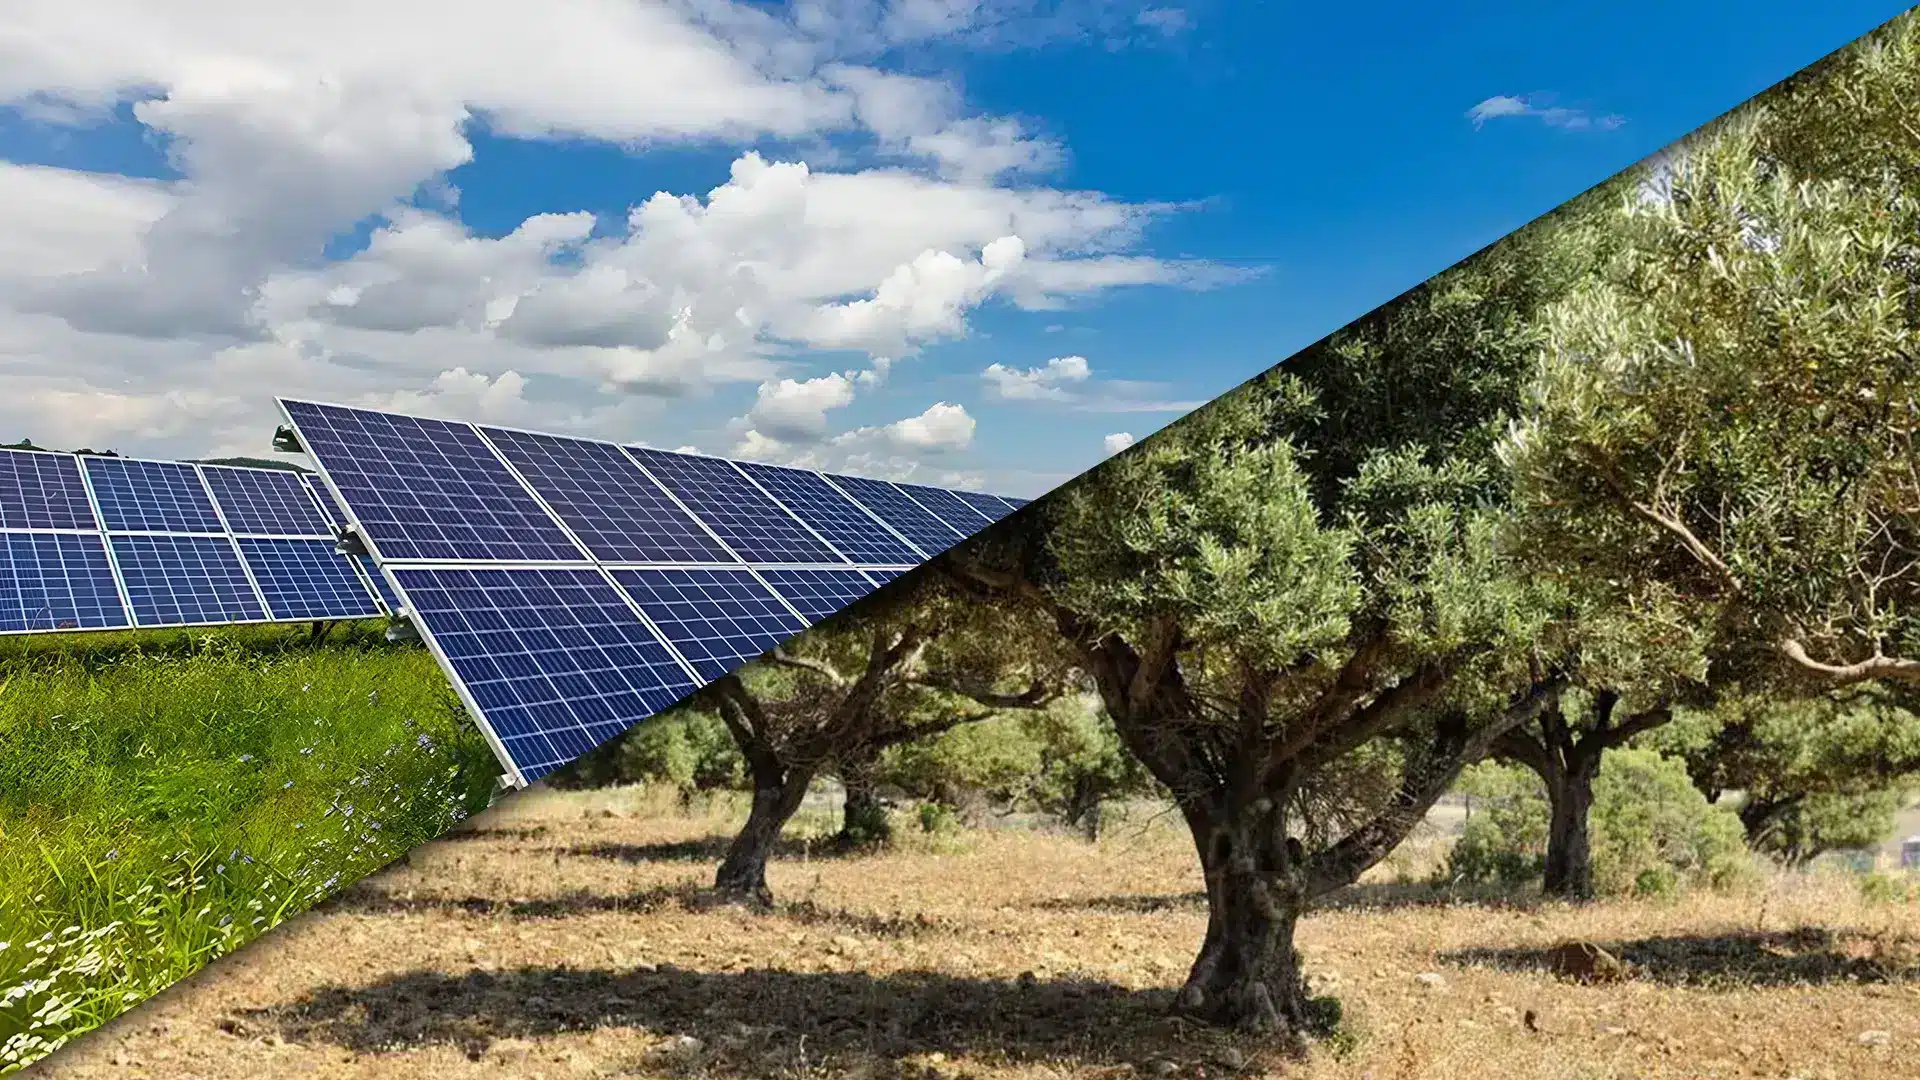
[[102, 543], [573, 587]]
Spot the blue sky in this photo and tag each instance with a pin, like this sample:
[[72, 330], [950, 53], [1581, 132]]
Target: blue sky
[[395, 208]]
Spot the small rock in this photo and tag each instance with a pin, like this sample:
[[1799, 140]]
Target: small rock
[[1583, 961], [685, 1045], [1875, 1038], [1432, 980], [1231, 1058], [1162, 1067], [1616, 1032]]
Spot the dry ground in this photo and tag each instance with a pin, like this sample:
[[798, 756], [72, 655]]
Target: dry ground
[[559, 938]]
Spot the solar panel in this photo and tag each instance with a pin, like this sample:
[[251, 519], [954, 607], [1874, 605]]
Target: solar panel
[[40, 490], [908, 518], [857, 534], [716, 619], [553, 661], [428, 489], [57, 581], [150, 496], [816, 594], [306, 579], [993, 507], [185, 580], [1017, 503], [265, 502], [948, 507], [604, 498], [754, 526], [883, 574]]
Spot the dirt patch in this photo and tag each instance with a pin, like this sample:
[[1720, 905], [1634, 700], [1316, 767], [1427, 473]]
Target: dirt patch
[[522, 949]]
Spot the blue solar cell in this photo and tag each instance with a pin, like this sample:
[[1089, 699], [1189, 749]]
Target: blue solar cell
[[265, 502], [1013, 502], [150, 496], [306, 579], [817, 594], [882, 574], [57, 581], [615, 510], [555, 660], [39, 490], [911, 520], [948, 507], [428, 489], [753, 525], [993, 507], [178, 580], [717, 619], [857, 534]]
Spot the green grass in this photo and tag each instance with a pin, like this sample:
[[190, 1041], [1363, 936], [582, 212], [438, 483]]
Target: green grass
[[167, 797]]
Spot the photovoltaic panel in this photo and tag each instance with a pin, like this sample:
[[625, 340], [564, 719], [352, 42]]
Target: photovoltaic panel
[[717, 619], [604, 498], [817, 594], [992, 507], [834, 516], [150, 496], [185, 580], [265, 502], [882, 574], [553, 660], [1013, 502], [758, 529], [911, 520], [306, 579], [39, 490], [428, 489], [57, 581], [948, 507]]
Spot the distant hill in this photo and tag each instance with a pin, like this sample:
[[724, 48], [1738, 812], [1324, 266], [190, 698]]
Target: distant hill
[[29, 444], [254, 463], [244, 462]]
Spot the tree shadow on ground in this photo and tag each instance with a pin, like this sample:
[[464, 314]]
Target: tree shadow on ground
[[706, 849], [1404, 895], [1369, 897], [491, 832], [1807, 956], [1127, 904], [757, 1023], [370, 898]]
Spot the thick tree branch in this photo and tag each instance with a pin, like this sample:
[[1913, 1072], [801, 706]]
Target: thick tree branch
[[821, 668], [1425, 778], [1876, 666], [1037, 696]]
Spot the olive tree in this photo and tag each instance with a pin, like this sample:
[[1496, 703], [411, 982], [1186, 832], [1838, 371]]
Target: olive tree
[[1304, 667], [912, 663], [1725, 414]]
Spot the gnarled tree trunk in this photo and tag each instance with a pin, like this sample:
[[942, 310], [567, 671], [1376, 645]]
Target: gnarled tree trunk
[[1248, 974], [743, 873], [863, 820], [1569, 870]]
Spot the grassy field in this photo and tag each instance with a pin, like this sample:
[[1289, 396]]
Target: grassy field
[[561, 936], [165, 797]]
